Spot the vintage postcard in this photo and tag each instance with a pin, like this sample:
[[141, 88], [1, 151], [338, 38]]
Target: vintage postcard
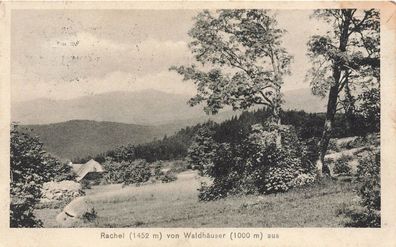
[[197, 123]]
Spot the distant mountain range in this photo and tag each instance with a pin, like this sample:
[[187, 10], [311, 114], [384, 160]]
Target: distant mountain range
[[302, 99], [148, 107], [94, 124]]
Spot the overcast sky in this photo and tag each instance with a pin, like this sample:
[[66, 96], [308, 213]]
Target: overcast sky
[[63, 54]]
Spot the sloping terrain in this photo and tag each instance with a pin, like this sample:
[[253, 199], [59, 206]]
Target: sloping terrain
[[176, 204], [81, 138]]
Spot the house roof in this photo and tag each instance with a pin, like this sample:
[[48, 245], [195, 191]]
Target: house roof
[[82, 170]]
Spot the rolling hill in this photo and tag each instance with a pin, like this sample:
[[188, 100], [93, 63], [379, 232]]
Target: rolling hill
[[80, 138]]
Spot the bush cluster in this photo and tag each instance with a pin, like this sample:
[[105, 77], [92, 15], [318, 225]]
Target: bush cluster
[[132, 172], [361, 141], [212, 192], [202, 150], [164, 177], [302, 180], [357, 142], [333, 147], [268, 161], [368, 212], [341, 165], [137, 172]]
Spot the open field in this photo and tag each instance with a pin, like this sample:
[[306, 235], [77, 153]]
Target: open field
[[176, 205]]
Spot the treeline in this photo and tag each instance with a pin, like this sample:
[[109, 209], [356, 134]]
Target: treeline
[[307, 125]]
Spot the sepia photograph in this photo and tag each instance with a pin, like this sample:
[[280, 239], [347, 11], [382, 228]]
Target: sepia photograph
[[197, 123], [195, 118]]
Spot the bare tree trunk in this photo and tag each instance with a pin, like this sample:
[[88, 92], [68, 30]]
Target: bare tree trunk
[[277, 120], [349, 108], [321, 166], [276, 114]]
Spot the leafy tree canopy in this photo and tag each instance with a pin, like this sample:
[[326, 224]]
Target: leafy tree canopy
[[351, 46], [246, 58]]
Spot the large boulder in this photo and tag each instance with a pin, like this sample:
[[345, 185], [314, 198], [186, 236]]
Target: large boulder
[[77, 211]]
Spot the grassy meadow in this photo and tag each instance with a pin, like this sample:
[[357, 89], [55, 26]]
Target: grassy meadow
[[176, 204]]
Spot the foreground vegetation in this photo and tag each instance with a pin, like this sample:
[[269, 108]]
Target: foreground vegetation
[[160, 201], [176, 204]]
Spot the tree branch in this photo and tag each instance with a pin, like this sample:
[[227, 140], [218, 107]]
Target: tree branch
[[266, 98], [357, 26], [343, 81]]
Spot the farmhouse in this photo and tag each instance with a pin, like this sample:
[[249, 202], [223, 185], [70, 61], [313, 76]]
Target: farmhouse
[[89, 170]]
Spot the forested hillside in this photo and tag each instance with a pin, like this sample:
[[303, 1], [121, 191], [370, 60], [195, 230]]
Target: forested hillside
[[308, 125], [79, 138]]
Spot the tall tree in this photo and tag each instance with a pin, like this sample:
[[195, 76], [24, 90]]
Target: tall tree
[[345, 58], [30, 167], [240, 60]]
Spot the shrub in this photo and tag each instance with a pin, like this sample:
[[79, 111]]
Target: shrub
[[369, 173], [368, 212], [90, 216], [180, 166], [60, 171], [260, 164], [126, 172], [158, 172], [114, 171], [310, 154], [136, 172], [164, 177], [201, 152], [357, 142], [333, 147], [168, 177], [359, 216], [278, 179], [369, 110], [341, 166], [302, 180], [212, 192], [278, 165], [362, 141]]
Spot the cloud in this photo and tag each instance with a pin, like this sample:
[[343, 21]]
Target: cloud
[[83, 42], [84, 55], [114, 51], [165, 81]]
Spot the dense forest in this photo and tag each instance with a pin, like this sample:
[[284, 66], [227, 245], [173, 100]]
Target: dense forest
[[307, 125]]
